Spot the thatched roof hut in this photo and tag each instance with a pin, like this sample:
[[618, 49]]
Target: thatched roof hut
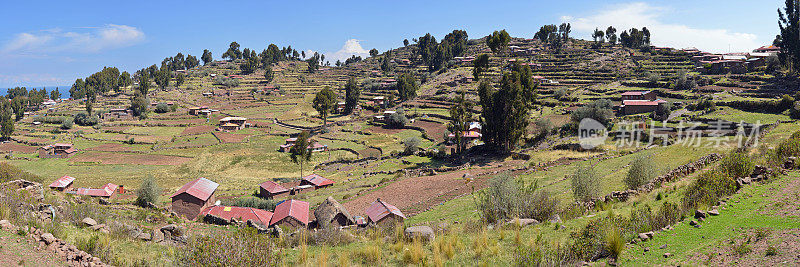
[[330, 212]]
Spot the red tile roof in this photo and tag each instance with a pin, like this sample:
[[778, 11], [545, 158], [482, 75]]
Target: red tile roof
[[317, 180], [240, 213], [379, 209], [635, 93], [201, 188], [642, 102], [273, 187], [62, 182], [291, 208]]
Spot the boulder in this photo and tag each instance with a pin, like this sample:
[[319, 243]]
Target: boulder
[[158, 236], [424, 232], [89, 222], [713, 212], [523, 222], [48, 238], [667, 255], [693, 223], [103, 201], [643, 236], [98, 226], [699, 214], [144, 236]]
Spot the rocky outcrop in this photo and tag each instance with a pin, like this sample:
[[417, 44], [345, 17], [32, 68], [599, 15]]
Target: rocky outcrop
[[67, 252], [422, 232]]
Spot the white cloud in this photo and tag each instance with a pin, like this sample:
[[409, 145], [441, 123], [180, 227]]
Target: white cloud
[[351, 47], [639, 15], [96, 39]]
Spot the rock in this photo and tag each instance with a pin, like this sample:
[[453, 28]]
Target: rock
[[213, 219], [555, 219], [425, 232], [699, 214], [663, 246], [5, 224], [646, 249], [650, 234], [260, 228], [144, 236], [693, 223], [48, 238], [667, 255], [643, 236], [103, 201], [98, 226], [523, 222], [158, 236], [89, 222], [713, 212]]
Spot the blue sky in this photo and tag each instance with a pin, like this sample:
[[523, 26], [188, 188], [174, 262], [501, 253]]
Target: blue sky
[[52, 43]]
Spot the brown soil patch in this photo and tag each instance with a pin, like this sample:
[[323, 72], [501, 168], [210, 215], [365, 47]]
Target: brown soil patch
[[111, 148], [786, 202], [19, 252], [432, 129], [136, 159], [231, 138], [413, 195], [369, 152], [786, 243], [381, 130], [198, 130], [14, 147], [116, 128]]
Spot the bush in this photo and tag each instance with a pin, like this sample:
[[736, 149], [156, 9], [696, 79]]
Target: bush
[[84, 119], [684, 82], [615, 243], [162, 108], [244, 247], [599, 110], [397, 120], [148, 192], [736, 165], [585, 183], [507, 198], [67, 124], [643, 170], [411, 145], [707, 189], [786, 149]]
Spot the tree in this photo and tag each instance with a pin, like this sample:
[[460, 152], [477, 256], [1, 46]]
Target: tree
[[643, 170], [351, 95], [125, 79], [599, 110], [144, 85], [426, 48], [233, 52], [373, 52], [598, 36], [268, 74], [303, 53], [684, 81], [386, 64], [480, 65], [411, 145], [505, 111], [789, 25], [55, 94], [162, 108], [397, 120], [611, 35], [645, 36], [299, 152], [139, 104], [324, 102], [460, 118], [207, 57], [180, 79], [313, 62], [498, 41], [162, 78], [407, 86], [564, 29], [405, 42], [250, 63], [191, 62], [546, 33], [178, 62], [18, 106], [6, 122]]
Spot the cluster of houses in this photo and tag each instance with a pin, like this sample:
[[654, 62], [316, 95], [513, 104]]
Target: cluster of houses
[[196, 199], [201, 110], [58, 150], [731, 62], [313, 145], [64, 184], [635, 102]]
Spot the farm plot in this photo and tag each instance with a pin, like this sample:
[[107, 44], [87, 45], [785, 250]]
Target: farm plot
[[131, 159], [14, 147], [200, 129]]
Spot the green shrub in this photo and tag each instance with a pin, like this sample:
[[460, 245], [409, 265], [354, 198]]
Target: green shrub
[[397, 120], [615, 243], [737, 164], [149, 191], [585, 183], [786, 149], [411, 145], [162, 108], [254, 202], [66, 124], [507, 198], [84, 119], [643, 170], [707, 189]]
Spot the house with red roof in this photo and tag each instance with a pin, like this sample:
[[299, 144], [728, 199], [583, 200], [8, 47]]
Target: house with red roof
[[316, 181], [382, 213], [639, 95], [242, 214], [63, 184], [58, 150], [768, 49], [270, 189], [193, 197], [629, 107], [108, 190], [291, 214]]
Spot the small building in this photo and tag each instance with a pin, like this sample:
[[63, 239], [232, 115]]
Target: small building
[[317, 147], [291, 214], [629, 107], [379, 100], [119, 114], [288, 145], [340, 107], [639, 95], [63, 184], [59, 150], [270, 190], [768, 49], [232, 123], [108, 190], [197, 110], [331, 213], [316, 180], [193, 197], [242, 214], [382, 213]]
